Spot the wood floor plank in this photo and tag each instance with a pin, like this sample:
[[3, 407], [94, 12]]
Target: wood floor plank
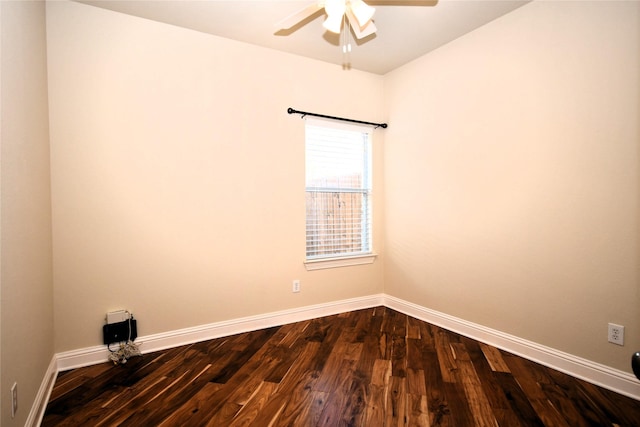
[[416, 384], [256, 340], [396, 414], [476, 397], [381, 372], [418, 413], [70, 380], [254, 405], [162, 402], [374, 412], [224, 416], [376, 319], [427, 340], [303, 368], [496, 387], [243, 374], [375, 406], [298, 391], [457, 404], [439, 412], [262, 373], [354, 408], [268, 416], [413, 328], [285, 357], [529, 383], [310, 410], [290, 333], [194, 411], [327, 334], [399, 356], [561, 395], [363, 326], [446, 356], [334, 372], [368, 356], [414, 350], [372, 368], [341, 382], [494, 358], [610, 404], [511, 405], [570, 391]]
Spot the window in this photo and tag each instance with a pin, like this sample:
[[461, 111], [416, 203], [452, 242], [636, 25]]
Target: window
[[338, 190]]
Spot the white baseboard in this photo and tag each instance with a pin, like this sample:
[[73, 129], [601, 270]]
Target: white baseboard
[[42, 397], [595, 373], [604, 376], [150, 343]]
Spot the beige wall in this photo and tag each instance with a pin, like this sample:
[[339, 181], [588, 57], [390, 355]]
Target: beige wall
[[178, 176], [25, 229], [512, 177]]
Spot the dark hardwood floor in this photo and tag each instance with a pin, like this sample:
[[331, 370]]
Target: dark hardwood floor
[[373, 367]]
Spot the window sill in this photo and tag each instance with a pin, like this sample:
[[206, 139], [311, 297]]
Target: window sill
[[348, 261]]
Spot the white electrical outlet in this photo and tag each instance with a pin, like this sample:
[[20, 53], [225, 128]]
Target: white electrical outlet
[[117, 316], [616, 334], [296, 286], [14, 399]]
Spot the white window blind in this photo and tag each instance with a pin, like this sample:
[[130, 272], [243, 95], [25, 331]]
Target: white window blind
[[338, 190]]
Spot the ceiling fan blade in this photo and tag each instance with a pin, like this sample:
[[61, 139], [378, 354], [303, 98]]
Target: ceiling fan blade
[[401, 2], [360, 32], [291, 20]]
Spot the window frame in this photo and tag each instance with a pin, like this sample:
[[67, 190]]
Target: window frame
[[366, 256]]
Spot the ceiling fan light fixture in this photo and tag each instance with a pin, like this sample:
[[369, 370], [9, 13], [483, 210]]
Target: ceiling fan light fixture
[[333, 23], [362, 11], [335, 10]]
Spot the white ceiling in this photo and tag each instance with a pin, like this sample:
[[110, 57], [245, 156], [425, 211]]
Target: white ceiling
[[405, 31]]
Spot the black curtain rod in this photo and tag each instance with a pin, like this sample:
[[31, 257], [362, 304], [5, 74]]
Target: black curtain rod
[[304, 113]]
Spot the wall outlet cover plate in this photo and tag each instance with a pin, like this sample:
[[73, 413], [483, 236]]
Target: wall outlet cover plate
[[117, 316]]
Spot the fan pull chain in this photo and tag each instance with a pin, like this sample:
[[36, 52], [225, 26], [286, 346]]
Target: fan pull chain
[[346, 44]]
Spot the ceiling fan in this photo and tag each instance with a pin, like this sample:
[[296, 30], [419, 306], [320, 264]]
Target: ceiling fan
[[340, 13]]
